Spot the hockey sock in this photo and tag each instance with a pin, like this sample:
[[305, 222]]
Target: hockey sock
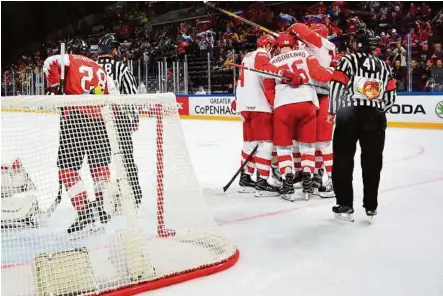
[[75, 188], [327, 158], [263, 159], [248, 147], [307, 157], [285, 160], [297, 156], [318, 161], [274, 159], [100, 176]]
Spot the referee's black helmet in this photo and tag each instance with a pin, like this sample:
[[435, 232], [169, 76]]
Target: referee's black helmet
[[108, 43], [77, 46], [366, 40]]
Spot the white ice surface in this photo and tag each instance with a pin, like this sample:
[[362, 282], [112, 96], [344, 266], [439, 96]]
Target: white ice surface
[[300, 249]]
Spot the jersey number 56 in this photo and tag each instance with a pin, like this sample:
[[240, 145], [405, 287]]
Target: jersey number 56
[[297, 70]]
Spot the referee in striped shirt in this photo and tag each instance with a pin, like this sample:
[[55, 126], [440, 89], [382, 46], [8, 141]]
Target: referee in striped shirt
[[127, 121], [362, 90]]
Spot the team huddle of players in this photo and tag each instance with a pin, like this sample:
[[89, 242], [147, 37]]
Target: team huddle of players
[[286, 118]]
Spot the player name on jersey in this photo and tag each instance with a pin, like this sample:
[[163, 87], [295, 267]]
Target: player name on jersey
[[296, 60], [82, 58], [286, 56]]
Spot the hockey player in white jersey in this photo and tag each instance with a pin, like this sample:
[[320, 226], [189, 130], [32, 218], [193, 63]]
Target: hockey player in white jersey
[[295, 112], [255, 106], [315, 38]]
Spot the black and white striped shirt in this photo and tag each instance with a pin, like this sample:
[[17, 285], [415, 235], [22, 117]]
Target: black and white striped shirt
[[119, 72], [361, 79]]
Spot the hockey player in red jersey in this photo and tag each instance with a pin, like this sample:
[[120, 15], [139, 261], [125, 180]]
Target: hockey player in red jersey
[[255, 106], [295, 112], [315, 38], [82, 130]]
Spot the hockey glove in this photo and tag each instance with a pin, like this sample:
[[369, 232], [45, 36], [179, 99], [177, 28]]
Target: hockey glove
[[54, 90], [291, 78], [330, 119], [98, 90]]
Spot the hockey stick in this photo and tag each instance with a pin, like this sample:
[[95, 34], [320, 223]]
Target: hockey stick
[[231, 14], [435, 17], [62, 68], [248, 159], [58, 199], [219, 191], [271, 74]]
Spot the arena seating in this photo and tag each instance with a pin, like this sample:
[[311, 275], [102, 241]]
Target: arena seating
[[145, 44]]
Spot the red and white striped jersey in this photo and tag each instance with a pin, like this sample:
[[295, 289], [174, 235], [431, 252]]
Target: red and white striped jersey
[[318, 46], [251, 94], [305, 64], [81, 74]]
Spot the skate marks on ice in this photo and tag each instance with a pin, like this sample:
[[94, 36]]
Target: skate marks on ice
[[234, 203], [394, 176]]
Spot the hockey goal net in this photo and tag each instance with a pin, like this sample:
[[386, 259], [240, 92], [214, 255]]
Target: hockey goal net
[[167, 237]]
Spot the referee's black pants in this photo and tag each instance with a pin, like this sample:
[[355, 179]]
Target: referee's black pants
[[368, 126], [124, 130]]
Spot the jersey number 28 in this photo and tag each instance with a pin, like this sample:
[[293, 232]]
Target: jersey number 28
[[88, 77]]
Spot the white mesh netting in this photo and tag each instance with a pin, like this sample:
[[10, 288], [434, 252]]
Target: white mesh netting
[[158, 231]]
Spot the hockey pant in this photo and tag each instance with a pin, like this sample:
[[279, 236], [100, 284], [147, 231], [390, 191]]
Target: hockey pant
[[82, 136]]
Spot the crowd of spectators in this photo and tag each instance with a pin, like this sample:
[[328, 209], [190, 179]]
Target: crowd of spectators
[[410, 35]]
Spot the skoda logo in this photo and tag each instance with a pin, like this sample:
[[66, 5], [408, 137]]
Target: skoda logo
[[439, 109]]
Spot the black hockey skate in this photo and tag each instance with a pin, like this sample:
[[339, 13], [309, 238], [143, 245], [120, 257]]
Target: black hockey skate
[[247, 185], [264, 188], [343, 213], [100, 211], [104, 217], [276, 176], [307, 185], [287, 190], [326, 190], [85, 218], [317, 181], [371, 214], [297, 180]]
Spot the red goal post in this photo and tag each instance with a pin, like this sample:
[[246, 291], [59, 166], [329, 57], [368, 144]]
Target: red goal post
[[170, 238]]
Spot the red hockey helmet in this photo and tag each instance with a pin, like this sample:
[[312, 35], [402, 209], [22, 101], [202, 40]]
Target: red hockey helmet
[[320, 29], [286, 40], [264, 40]]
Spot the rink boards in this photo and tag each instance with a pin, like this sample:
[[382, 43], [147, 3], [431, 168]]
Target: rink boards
[[418, 110], [421, 110]]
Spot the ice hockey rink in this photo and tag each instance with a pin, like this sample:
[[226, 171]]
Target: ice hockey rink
[[301, 249]]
